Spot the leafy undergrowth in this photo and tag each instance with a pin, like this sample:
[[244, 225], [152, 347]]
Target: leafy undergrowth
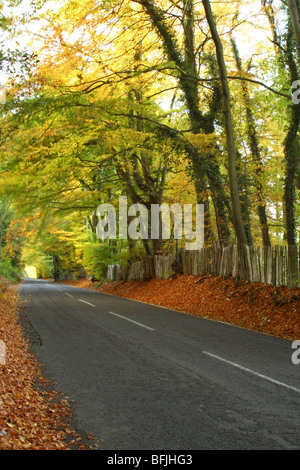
[[32, 415], [260, 307]]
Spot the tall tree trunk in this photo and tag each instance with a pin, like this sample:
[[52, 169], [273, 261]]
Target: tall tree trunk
[[268, 9], [56, 270], [255, 152], [291, 149], [205, 170], [232, 170], [201, 124], [244, 196], [294, 9], [286, 60], [291, 152]]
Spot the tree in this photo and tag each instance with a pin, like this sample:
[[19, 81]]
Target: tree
[[254, 147], [231, 150], [294, 9], [184, 69], [286, 62]]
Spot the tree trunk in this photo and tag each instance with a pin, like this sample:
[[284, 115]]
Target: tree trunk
[[294, 8], [291, 149], [291, 152], [255, 152], [232, 171], [56, 270], [204, 169], [286, 60]]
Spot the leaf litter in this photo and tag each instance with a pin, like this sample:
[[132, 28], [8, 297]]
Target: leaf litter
[[33, 416]]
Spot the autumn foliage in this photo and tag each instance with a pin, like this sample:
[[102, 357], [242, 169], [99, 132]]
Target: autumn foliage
[[32, 415]]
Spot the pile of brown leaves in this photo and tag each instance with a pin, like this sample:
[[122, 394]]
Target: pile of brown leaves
[[260, 307], [32, 415]]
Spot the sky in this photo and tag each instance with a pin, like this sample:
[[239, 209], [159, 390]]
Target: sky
[[27, 37]]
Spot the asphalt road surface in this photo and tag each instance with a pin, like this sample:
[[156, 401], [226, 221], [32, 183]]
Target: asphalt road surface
[[148, 378]]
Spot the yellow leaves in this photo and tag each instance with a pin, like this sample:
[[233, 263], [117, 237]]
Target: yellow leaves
[[203, 142], [240, 73]]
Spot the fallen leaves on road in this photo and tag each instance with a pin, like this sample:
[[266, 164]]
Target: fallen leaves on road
[[32, 415], [260, 307]]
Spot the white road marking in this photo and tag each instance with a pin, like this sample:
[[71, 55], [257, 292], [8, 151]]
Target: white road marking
[[69, 294], [128, 319], [265, 377], [80, 300]]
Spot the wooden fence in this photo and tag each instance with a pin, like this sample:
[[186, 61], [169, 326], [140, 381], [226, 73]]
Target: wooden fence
[[277, 265]]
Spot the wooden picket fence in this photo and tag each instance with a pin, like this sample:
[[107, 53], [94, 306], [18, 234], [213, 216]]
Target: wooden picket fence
[[277, 265]]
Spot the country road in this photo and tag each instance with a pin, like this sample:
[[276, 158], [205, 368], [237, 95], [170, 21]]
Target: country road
[[148, 378]]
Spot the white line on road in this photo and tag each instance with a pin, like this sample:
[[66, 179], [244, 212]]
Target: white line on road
[[69, 294], [265, 377], [80, 300], [128, 319]]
